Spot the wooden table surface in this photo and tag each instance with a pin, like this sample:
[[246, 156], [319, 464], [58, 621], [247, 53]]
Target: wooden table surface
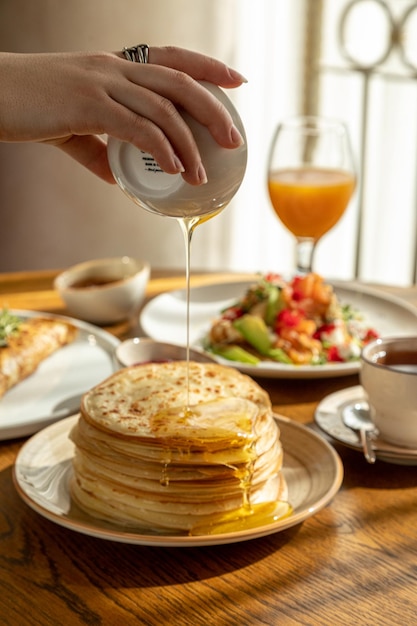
[[353, 562]]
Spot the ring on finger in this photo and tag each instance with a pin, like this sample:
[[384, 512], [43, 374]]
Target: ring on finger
[[137, 54]]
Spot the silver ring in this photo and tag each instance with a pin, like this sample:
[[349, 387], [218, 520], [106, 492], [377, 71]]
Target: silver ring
[[137, 54]]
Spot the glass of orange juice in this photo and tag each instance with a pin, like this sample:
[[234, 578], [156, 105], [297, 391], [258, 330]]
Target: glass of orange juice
[[311, 179]]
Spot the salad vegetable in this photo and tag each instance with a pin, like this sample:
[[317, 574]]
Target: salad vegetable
[[9, 325], [296, 322]]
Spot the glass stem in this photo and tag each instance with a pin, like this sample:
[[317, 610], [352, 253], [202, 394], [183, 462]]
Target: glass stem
[[304, 252]]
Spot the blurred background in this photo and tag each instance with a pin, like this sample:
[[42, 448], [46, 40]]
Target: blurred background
[[351, 59]]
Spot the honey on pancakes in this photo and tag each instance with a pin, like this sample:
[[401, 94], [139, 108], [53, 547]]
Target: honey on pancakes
[[235, 427]]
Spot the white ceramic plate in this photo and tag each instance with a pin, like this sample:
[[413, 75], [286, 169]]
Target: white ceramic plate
[[164, 319], [329, 417], [43, 467], [54, 390]]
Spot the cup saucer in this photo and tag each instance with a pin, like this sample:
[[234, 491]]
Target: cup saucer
[[329, 417]]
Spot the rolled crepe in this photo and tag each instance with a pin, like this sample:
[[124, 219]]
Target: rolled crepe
[[35, 340]]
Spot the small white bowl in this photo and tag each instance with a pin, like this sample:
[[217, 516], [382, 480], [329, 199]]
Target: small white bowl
[[143, 350], [104, 291], [141, 178]]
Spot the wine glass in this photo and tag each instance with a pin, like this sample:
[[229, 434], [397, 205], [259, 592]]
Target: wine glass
[[311, 179]]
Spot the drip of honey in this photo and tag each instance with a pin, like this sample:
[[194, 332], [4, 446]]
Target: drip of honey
[[226, 420], [164, 480], [244, 518]]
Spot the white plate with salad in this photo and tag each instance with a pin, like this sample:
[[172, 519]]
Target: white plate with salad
[[368, 312]]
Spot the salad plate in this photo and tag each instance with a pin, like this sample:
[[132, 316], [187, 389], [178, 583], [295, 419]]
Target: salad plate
[[43, 468], [54, 390], [164, 319]]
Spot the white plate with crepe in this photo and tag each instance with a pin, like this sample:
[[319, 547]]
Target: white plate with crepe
[[54, 390], [164, 319], [43, 468]]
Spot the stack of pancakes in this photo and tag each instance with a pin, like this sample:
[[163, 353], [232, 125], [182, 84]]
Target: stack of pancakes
[[173, 447]]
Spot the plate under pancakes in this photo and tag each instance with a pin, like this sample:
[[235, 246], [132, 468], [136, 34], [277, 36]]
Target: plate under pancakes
[[43, 470], [143, 460]]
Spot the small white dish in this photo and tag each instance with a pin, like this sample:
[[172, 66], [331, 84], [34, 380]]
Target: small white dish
[[329, 417], [143, 350], [144, 182], [104, 291]]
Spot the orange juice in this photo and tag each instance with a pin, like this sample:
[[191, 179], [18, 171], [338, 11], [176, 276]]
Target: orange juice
[[310, 200]]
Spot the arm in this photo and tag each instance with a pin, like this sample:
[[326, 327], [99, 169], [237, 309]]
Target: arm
[[70, 99]]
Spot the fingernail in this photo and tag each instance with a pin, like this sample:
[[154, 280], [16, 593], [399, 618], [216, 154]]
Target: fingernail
[[201, 173], [237, 76], [236, 137], [178, 165]]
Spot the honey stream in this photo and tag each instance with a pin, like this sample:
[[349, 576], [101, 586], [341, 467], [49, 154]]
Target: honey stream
[[187, 225], [248, 515]]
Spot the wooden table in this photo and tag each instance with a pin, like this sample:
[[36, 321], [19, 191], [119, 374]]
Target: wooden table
[[354, 562]]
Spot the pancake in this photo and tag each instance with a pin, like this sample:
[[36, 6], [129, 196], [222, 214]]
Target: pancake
[[34, 341], [169, 448]]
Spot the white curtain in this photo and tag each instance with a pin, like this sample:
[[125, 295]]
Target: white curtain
[[387, 244], [269, 52]]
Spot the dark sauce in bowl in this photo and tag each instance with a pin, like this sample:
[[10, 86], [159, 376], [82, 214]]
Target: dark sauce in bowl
[[93, 281]]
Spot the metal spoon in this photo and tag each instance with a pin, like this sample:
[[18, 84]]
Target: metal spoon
[[356, 417]]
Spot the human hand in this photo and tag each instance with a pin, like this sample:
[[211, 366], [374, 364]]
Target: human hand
[[71, 99]]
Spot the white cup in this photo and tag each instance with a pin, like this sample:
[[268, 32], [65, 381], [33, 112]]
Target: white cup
[[389, 377], [141, 178]]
